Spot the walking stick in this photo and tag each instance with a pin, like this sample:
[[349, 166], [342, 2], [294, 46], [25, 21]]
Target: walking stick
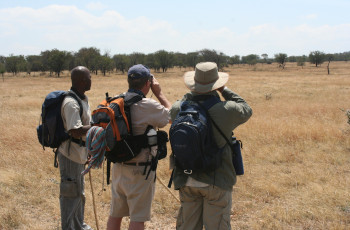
[[93, 200], [168, 189]]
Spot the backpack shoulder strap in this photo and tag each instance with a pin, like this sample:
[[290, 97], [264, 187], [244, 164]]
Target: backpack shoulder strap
[[73, 95], [130, 99], [109, 99], [207, 104]]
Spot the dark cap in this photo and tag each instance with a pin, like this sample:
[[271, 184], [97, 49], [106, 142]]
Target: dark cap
[[139, 71]]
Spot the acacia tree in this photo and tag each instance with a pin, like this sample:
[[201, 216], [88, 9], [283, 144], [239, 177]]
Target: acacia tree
[[192, 59], [301, 61], [15, 64], [250, 59], [94, 65], [150, 62], [220, 59], [292, 58], [234, 60], [136, 58], [179, 60], [121, 62], [88, 57], [281, 59], [34, 63], [45, 60], [105, 64], [264, 56], [57, 60], [317, 57], [164, 59]]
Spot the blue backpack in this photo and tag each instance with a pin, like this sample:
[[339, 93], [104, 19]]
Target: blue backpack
[[51, 132], [191, 136]]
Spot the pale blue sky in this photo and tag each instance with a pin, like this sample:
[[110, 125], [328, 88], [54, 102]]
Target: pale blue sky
[[229, 26]]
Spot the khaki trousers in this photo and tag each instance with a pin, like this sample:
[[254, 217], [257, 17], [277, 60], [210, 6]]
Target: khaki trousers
[[208, 206], [132, 194]]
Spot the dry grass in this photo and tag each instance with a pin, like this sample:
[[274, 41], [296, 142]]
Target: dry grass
[[296, 150]]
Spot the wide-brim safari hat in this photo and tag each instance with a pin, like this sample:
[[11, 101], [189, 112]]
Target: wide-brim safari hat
[[205, 78]]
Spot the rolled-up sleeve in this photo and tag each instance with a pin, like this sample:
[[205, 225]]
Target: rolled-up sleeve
[[160, 115], [71, 114]]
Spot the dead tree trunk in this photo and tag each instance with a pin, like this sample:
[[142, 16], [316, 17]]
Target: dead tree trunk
[[328, 67]]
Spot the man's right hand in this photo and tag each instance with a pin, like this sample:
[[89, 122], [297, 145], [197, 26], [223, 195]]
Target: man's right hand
[[157, 91], [155, 87]]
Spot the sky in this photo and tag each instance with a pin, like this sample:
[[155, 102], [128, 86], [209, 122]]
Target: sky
[[234, 27]]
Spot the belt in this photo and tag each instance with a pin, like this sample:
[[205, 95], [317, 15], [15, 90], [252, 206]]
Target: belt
[[137, 163], [78, 141]]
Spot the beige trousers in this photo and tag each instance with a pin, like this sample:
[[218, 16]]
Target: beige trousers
[[132, 195], [207, 207]]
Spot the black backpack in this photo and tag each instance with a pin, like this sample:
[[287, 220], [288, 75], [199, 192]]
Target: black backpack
[[51, 132], [191, 136]]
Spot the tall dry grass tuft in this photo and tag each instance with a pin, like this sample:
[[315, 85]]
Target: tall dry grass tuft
[[296, 150]]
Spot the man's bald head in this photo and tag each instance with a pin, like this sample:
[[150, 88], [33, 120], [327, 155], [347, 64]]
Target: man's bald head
[[78, 74], [81, 78]]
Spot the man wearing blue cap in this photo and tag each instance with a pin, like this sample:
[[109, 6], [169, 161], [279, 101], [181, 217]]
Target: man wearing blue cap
[[132, 195]]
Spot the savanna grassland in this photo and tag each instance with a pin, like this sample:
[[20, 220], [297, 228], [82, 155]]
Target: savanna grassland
[[296, 150]]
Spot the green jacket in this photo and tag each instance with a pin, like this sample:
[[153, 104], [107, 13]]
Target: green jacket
[[227, 114]]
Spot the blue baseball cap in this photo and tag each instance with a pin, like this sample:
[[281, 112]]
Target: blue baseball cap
[[139, 71]]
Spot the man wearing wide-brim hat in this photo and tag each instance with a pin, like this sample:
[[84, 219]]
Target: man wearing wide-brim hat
[[205, 196]]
